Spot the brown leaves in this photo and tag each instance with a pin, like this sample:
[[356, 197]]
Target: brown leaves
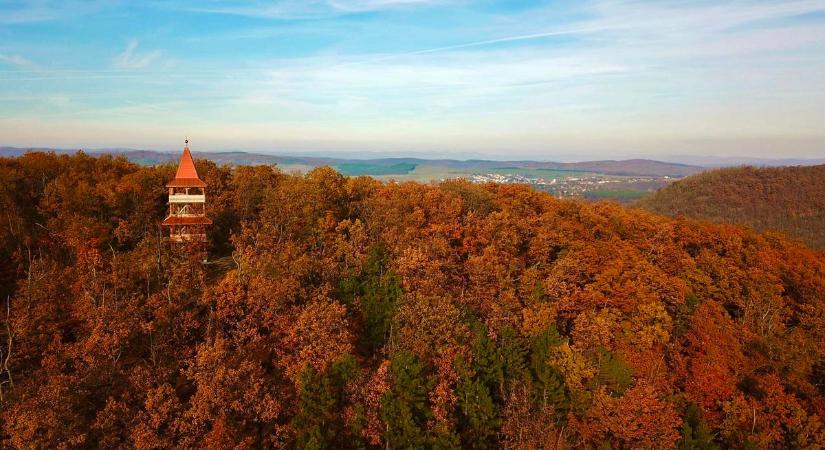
[[527, 426], [713, 360], [159, 425], [229, 385], [427, 325], [638, 419], [373, 390], [319, 336], [767, 416], [443, 397]]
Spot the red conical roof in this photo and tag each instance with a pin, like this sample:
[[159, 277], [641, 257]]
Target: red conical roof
[[187, 175], [186, 167]]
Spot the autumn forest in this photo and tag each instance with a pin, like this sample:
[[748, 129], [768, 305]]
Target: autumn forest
[[338, 312]]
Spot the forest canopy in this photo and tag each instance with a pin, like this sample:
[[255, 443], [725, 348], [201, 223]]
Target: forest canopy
[[787, 199], [341, 312]]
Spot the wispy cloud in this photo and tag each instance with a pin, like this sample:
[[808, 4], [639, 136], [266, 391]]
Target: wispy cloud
[[374, 5], [301, 9], [31, 11], [16, 61], [628, 26], [131, 58]]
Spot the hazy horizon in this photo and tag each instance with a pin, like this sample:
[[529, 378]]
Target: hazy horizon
[[696, 160], [510, 80]]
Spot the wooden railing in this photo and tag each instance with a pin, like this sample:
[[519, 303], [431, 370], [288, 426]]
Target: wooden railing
[[188, 238], [184, 198]]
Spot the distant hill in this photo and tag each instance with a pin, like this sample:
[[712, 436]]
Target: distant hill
[[733, 161], [789, 199], [390, 166], [634, 167]]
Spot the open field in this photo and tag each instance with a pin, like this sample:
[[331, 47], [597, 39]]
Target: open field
[[619, 195], [425, 173], [429, 172], [546, 174], [367, 168]]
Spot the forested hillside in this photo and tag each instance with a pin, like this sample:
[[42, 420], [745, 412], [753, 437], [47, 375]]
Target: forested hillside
[[346, 313], [788, 199]]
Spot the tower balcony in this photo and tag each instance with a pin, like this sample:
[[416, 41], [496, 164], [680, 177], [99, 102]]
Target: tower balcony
[[187, 198], [188, 237]]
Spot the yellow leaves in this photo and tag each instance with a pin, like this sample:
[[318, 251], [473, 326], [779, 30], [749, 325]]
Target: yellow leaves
[[538, 318], [573, 365], [651, 325], [593, 329]]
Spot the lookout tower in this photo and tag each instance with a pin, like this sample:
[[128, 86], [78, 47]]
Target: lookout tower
[[187, 219]]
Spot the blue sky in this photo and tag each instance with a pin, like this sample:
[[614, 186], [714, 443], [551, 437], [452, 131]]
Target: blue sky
[[545, 80]]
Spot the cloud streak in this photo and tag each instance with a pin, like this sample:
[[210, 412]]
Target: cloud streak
[[35, 11], [16, 61], [301, 9], [131, 58]]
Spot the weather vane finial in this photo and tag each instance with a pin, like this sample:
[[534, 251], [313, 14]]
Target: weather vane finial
[[186, 141]]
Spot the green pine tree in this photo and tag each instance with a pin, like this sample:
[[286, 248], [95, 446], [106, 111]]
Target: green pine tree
[[445, 440], [487, 363], [404, 408], [684, 313], [695, 433], [614, 373], [549, 382], [316, 406], [317, 422], [512, 352], [379, 289], [478, 416]]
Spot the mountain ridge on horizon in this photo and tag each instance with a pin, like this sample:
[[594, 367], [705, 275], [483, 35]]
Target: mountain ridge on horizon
[[677, 166], [628, 167]]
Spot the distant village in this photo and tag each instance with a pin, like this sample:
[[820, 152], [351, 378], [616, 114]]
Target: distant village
[[581, 185]]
